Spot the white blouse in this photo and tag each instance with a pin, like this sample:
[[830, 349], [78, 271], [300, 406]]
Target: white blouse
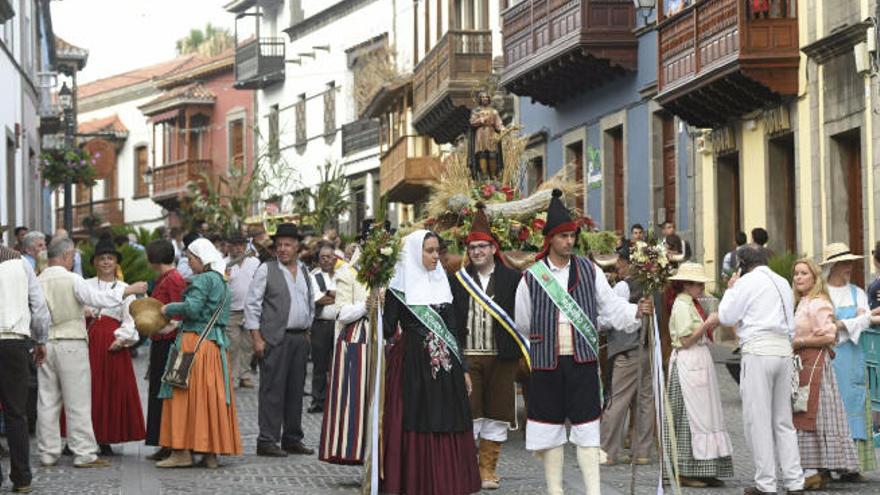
[[842, 297], [126, 331]]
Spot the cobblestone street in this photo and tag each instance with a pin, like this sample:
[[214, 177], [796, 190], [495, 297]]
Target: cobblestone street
[[130, 473]]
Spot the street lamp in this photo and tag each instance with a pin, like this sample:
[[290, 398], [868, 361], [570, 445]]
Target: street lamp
[[645, 8], [65, 99], [148, 178]]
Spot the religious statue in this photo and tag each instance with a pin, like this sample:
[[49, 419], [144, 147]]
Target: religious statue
[[485, 159]]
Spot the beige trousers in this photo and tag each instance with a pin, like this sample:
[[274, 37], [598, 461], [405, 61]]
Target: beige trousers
[[241, 347], [66, 378], [624, 387]]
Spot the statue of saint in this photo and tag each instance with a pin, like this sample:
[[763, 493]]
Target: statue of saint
[[486, 160]]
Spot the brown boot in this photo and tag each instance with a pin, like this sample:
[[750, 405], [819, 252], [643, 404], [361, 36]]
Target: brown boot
[[489, 452]]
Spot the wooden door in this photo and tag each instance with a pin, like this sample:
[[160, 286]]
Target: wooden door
[[853, 174], [574, 158], [728, 214], [236, 143], [669, 168], [619, 198], [140, 168]]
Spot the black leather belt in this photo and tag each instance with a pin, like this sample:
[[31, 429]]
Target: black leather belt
[[296, 330]]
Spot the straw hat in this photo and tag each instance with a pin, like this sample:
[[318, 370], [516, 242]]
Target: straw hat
[[147, 315], [837, 252], [690, 272]]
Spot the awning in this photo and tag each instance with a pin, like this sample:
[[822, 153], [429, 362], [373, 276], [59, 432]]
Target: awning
[[164, 116]]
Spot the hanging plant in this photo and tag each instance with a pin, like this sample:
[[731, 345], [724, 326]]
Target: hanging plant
[[77, 165]]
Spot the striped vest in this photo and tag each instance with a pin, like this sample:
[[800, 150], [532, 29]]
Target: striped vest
[[544, 351]]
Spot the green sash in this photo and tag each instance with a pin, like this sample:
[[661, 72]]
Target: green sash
[[433, 322], [569, 307]]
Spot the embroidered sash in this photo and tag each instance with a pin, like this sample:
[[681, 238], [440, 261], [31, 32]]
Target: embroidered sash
[[433, 322], [495, 311], [569, 307]]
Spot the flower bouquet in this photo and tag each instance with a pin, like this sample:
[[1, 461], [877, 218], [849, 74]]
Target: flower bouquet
[[650, 265], [77, 166], [379, 254]]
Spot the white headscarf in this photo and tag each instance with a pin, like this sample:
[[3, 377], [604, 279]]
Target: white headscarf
[[410, 276], [205, 251]]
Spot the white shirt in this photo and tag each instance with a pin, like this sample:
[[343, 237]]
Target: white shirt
[[240, 277], [184, 269], [614, 311], [126, 330], [842, 297], [330, 312], [760, 304]]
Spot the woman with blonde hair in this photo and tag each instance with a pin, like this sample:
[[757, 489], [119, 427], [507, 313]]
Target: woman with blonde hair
[[201, 418], [823, 434]]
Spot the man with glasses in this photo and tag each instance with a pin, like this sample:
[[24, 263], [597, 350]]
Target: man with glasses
[[483, 296], [321, 339]]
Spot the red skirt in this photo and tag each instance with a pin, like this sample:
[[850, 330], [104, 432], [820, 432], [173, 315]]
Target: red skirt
[[415, 463], [117, 416]]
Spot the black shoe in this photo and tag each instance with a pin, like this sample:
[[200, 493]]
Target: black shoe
[[852, 478], [316, 409], [270, 450], [105, 449], [299, 449], [67, 451]]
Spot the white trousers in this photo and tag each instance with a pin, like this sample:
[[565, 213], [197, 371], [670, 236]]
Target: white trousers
[[490, 429], [765, 385], [66, 379]]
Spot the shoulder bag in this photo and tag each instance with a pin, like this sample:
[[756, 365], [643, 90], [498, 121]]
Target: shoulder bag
[[180, 363]]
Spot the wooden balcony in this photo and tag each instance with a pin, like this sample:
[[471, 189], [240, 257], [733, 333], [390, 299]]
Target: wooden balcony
[[107, 212], [718, 62], [171, 181], [259, 63], [405, 173], [446, 80], [556, 49]]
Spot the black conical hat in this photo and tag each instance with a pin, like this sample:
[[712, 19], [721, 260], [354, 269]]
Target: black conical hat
[[105, 246], [558, 217]]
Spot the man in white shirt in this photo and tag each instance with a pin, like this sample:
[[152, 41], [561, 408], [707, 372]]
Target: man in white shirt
[[323, 328], [65, 377], [240, 270], [760, 304], [23, 316]]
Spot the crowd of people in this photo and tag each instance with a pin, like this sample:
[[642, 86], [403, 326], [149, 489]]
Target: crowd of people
[[253, 310]]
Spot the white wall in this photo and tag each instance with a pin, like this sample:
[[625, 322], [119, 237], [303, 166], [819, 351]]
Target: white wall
[[141, 211]]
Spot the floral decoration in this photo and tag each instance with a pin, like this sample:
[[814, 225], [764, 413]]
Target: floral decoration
[[77, 166], [379, 254], [650, 264]]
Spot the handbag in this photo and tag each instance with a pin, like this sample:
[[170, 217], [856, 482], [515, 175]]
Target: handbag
[[180, 363], [802, 394]]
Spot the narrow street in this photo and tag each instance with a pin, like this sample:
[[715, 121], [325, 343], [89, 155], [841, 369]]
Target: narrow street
[[522, 473]]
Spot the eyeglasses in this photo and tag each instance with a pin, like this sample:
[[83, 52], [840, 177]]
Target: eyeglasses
[[479, 247]]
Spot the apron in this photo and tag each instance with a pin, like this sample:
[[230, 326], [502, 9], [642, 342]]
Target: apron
[[699, 389], [849, 366]]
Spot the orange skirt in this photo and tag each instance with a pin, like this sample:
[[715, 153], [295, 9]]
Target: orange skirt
[[198, 418]]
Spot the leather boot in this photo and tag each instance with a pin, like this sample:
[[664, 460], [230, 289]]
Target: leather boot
[[177, 459], [489, 452], [588, 460], [553, 462]]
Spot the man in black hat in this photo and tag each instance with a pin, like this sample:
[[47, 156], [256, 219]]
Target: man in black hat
[[559, 302], [279, 311]]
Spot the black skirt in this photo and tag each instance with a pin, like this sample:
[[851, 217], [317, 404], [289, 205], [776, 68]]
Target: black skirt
[[430, 403]]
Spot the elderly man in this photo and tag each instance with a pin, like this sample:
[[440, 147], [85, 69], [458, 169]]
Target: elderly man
[[761, 306], [32, 245], [65, 377], [323, 328], [278, 312], [240, 270], [23, 316], [77, 257]]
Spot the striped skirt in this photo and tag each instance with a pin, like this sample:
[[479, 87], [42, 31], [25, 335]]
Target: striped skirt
[[830, 446], [689, 466], [343, 430]]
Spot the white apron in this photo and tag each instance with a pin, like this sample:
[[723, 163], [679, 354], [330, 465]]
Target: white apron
[[702, 400]]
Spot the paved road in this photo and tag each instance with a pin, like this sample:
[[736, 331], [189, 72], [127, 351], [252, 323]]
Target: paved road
[[132, 474]]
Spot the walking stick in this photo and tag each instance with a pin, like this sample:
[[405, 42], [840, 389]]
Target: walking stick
[[643, 332]]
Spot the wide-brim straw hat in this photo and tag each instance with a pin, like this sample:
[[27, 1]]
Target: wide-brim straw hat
[[837, 252], [691, 272], [147, 315]]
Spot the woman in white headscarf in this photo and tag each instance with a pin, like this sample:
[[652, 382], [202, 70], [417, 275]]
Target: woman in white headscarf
[[202, 417], [429, 447]]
